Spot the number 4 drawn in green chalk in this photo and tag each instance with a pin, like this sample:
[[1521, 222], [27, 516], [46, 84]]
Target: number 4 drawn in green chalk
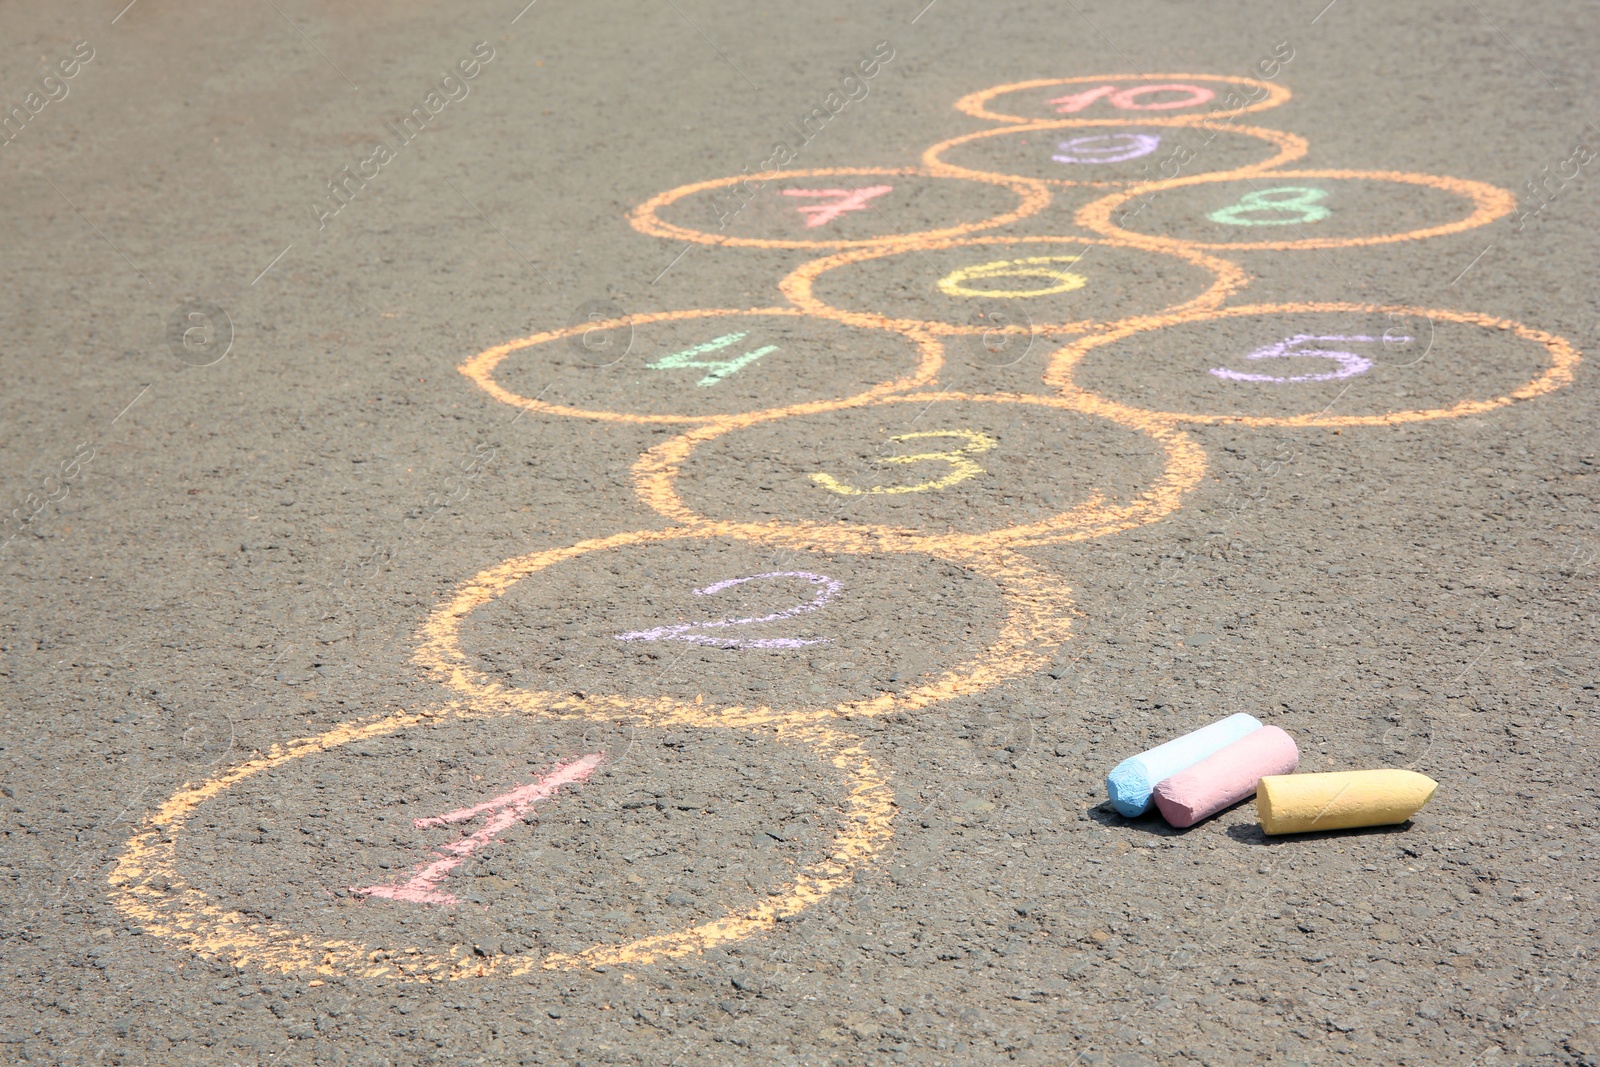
[[719, 369]]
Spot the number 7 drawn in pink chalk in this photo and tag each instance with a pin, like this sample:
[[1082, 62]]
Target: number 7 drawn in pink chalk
[[845, 200], [423, 886]]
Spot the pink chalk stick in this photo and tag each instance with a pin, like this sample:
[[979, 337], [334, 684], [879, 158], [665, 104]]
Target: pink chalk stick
[[1226, 776]]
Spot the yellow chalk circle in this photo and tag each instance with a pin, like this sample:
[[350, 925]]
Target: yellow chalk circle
[[1059, 281], [1301, 803]]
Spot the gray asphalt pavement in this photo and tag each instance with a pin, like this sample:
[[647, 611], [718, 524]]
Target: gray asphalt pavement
[[632, 533]]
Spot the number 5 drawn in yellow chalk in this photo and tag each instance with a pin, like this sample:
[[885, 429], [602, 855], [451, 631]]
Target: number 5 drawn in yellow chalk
[[961, 468], [1060, 281]]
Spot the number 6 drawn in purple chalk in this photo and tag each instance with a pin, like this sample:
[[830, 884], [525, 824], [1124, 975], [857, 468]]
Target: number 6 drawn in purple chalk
[[683, 631], [1104, 148], [1350, 364]]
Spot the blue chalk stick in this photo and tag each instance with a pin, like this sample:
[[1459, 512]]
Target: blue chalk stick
[[1132, 781]]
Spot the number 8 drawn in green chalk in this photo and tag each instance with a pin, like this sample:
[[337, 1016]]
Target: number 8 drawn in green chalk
[[719, 369], [1301, 200]]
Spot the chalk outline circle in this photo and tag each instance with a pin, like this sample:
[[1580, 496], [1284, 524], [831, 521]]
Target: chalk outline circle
[[976, 104], [1563, 359], [798, 286], [186, 915], [480, 368], [1038, 616], [1291, 146], [1489, 202], [1034, 196], [657, 470]]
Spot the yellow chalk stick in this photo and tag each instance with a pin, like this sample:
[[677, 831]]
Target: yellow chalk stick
[[1301, 803]]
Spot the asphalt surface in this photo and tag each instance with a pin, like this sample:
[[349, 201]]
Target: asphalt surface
[[752, 672]]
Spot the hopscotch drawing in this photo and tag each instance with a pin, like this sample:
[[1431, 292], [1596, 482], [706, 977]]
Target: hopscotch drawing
[[1102, 145]]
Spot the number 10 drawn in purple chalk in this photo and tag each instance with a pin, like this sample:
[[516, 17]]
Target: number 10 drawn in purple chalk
[[508, 808], [1350, 364], [684, 631]]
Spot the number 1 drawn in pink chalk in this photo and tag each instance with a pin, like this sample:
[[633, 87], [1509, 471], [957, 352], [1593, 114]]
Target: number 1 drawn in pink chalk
[[423, 886], [845, 200]]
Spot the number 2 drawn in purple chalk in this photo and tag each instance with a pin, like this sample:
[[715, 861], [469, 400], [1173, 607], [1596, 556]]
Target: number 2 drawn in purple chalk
[[685, 631], [1107, 148], [508, 809], [1350, 364]]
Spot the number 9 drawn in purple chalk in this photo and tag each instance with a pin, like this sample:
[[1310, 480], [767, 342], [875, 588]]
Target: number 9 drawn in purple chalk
[[1084, 150], [683, 631], [1350, 364]]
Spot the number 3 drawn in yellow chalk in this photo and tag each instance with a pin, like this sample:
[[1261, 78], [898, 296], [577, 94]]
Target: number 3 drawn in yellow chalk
[[954, 283], [961, 468]]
